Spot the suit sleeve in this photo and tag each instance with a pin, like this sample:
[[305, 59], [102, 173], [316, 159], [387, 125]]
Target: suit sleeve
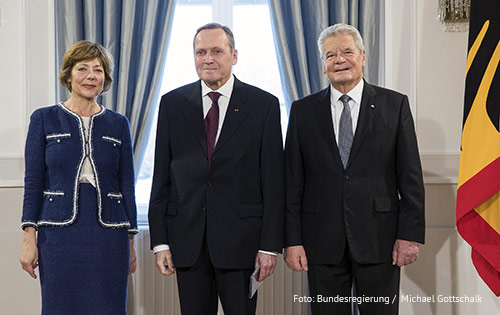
[[272, 172], [127, 176], [411, 217], [160, 189], [294, 182], [34, 174]]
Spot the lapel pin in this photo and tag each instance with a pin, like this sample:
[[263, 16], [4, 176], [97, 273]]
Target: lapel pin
[[236, 109], [372, 106]]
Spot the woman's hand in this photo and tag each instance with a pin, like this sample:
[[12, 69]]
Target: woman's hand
[[29, 252], [133, 258]]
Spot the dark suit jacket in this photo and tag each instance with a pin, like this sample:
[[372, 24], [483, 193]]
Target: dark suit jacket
[[377, 199], [239, 200]]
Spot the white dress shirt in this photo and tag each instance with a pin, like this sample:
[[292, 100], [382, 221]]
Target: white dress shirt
[[337, 106], [87, 174], [226, 90]]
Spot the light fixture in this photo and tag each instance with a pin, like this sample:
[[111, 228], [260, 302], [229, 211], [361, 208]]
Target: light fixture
[[454, 14]]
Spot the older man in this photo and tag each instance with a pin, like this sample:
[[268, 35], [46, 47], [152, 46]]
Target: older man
[[217, 200], [355, 195]]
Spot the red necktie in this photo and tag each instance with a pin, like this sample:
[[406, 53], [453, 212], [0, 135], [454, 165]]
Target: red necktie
[[212, 124]]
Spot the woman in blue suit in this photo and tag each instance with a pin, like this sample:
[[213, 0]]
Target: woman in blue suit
[[79, 213]]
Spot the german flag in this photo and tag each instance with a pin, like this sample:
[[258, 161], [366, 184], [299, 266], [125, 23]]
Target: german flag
[[478, 196]]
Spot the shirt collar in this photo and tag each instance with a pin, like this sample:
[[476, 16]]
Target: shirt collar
[[356, 93], [225, 90]]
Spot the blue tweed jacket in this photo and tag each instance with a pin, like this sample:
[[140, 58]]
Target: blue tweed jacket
[[54, 155]]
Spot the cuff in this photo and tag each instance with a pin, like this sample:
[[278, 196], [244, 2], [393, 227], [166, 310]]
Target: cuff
[[269, 253], [133, 231], [161, 247], [29, 223]]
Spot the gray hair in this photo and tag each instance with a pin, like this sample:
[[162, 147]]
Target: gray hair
[[340, 28], [214, 26]]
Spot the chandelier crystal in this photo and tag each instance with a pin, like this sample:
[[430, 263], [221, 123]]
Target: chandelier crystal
[[454, 14]]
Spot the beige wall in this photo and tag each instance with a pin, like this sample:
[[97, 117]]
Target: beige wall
[[422, 61]]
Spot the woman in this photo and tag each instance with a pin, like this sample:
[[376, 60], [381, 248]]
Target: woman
[[79, 194]]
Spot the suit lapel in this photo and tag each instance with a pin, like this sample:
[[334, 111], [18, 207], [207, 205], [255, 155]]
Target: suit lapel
[[193, 112], [324, 116], [365, 120], [237, 111]]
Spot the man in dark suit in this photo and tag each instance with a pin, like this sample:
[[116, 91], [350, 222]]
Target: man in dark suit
[[355, 194], [217, 202]]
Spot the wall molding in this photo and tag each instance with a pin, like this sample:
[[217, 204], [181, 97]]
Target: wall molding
[[26, 24], [11, 171], [401, 48], [39, 33], [440, 167]]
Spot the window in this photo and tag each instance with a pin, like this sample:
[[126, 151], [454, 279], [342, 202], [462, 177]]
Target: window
[[257, 64]]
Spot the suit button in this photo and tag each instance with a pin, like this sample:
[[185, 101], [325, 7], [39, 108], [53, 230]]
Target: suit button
[[346, 177], [213, 158], [210, 183], [205, 158], [204, 209], [50, 199]]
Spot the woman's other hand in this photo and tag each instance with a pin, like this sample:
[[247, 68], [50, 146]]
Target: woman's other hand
[[29, 252], [133, 258]]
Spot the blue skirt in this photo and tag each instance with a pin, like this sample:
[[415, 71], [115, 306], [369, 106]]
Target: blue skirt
[[83, 266]]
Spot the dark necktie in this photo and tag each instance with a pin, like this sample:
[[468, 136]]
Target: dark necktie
[[345, 130], [212, 124]]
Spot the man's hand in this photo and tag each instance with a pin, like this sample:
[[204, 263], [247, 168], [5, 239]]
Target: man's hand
[[267, 264], [295, 258], [404, 252], [164, 262]]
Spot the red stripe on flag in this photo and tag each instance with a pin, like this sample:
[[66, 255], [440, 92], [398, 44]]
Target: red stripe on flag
[[478, 188], [489, 275], [485, 242]]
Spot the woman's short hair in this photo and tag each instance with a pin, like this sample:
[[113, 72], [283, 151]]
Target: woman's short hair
[[83, 51], [340, 28]]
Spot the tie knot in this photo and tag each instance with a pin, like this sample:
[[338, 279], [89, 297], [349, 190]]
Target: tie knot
[[214, 96], [345, 99]]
